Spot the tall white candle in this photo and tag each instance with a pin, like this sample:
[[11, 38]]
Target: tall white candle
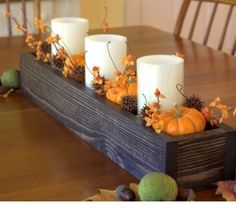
[[97, 49], [163, 72], [72, 31]]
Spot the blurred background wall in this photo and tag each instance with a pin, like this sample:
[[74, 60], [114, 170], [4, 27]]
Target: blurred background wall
[[161, 14]]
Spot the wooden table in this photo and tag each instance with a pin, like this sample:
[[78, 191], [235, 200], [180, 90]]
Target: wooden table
[[41, 160]]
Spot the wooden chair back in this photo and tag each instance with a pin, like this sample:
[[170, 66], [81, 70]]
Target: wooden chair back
[[182, 15], [37, 11]]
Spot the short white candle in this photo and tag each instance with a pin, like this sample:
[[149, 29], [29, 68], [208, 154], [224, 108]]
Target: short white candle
[[72, 31], [97, 54], [163, 72]]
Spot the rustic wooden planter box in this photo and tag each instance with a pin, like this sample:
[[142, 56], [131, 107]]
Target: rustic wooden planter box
[[194, 160]]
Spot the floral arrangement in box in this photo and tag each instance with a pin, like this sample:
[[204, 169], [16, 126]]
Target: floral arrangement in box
[[192, 117]]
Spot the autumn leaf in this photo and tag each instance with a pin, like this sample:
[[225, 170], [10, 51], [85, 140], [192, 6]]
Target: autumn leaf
[[179, 54], [215, 102], [107, 192], [227, 189], [158, 94], [134, 188], [102, 197], [128, 60], [96, 70], [207, 113], [105, 26], [53, 39], [6, 13], [20, 27]]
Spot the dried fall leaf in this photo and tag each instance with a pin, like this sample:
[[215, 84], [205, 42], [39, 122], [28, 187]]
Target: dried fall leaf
[[158, 94], [107, 192], [207, 113], [128, 60], [134, 188], [215, 102], [179, 54], [6, 13], [105, 26], [234, 113], [102, 197], [227, 189]]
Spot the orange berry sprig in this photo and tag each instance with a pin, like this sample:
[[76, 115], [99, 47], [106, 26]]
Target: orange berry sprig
[[216, 106], [98, 81], [153, 111], [105, 25], [19, 27]]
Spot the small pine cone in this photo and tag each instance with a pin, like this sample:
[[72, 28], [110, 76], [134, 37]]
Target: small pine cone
[[79, 74], [129, 103], [143, 111], [194, 101], [46, 47], [58, 63]]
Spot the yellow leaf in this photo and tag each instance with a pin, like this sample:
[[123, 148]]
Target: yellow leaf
[[107, 192], [101, 197], [134, 188], [234, 113]]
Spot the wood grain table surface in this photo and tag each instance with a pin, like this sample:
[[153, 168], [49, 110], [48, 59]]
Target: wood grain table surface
[[42, 160]]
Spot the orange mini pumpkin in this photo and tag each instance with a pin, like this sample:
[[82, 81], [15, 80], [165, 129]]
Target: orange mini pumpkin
[[115, 94], [112, 94], [182, 121], [132, 89]]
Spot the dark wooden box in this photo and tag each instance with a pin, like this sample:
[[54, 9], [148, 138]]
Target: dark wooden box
[[194, 160]]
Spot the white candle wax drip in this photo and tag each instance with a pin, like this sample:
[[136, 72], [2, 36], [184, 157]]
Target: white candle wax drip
[[97, 49], [163, 72], [72, 31]]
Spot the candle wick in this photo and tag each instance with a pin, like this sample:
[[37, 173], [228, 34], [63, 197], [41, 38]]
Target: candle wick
[[108, 43]]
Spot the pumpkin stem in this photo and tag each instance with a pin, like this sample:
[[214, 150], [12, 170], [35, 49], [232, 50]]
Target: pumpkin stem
[[177, 112], [108, 50], [180, 89]]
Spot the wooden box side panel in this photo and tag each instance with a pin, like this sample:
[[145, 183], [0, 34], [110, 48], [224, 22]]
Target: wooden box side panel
[[203, 160], [122, 138], [230, 158]]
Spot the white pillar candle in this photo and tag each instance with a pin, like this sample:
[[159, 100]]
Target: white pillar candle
[[163, 72], [97, 49], [72, 31]]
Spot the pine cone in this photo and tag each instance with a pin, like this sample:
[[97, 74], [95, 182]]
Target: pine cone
[[58, 63], [46, 47], [194, 101], [129, 103], [79, 74]]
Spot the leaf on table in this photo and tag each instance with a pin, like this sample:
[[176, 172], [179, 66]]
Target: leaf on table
[[227, 189], [107, 192], [102, 197], [134, 188]]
